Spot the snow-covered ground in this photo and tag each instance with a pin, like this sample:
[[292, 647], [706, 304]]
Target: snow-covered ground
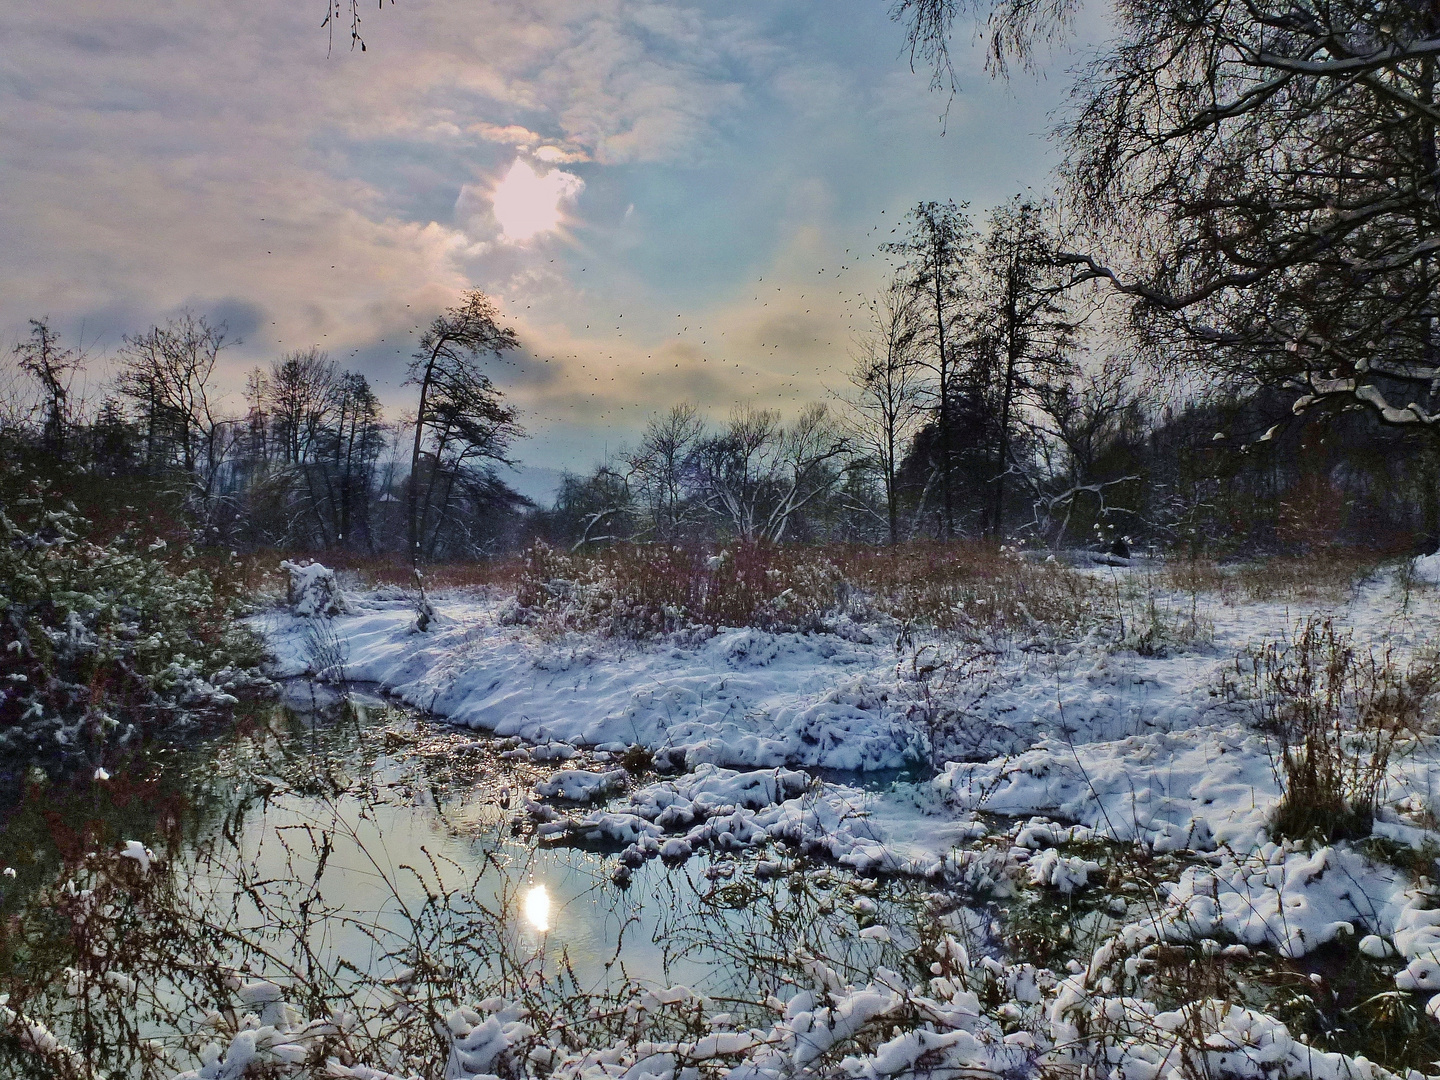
[[1036, 744], [1152, 747]]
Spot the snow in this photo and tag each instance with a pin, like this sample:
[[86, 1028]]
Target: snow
[[1063, 872], [1041, 746], [1157, 748], [1290, 900], [142, 855], [744, 698], [1191, 789], [948, 1032], [312, 590], [579, 785], [1427, 568]]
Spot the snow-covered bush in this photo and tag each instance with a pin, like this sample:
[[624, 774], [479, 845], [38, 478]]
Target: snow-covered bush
[[100, 641], [311, 589], [1426, 569]]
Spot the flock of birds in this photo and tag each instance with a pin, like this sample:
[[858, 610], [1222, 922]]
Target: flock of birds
[[754, 364], [761, 361]]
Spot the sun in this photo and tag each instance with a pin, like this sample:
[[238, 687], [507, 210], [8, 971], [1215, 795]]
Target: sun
[[528, 203]]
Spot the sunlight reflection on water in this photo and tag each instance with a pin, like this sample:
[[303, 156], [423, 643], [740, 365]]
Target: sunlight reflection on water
[[537, 908]]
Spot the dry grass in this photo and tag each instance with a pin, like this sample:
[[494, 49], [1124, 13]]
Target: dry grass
[[641, 590], [502, 573], [970, 588], [256, 573], [1324, 575], [638, 591], [1338, 714]]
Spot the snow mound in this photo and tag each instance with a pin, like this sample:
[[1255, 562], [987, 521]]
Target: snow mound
[[745, 698], [716, 809], [1283, 898], [578, 785], [312, 590], [1427, 568], [1063, 872], [1171, 791]]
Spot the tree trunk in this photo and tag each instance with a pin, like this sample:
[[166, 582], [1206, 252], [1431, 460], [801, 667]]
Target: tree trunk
[[413, 502], [1012, 362], [947, 505], [1429, 209], [892, 500]]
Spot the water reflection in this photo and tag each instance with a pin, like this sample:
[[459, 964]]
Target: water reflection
[[537, 908], [370, 864]]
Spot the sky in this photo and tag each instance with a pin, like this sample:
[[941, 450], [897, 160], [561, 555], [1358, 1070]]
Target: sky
[[669, 200]]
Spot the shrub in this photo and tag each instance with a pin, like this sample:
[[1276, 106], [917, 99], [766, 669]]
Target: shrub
[[638, 591], [101, 641], [1337, 716]]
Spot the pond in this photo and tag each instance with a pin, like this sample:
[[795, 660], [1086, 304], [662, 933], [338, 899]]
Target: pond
[[364, 865]]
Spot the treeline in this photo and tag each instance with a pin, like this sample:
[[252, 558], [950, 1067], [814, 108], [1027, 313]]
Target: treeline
[[1251, 191], [1101, 464], [311, 463], [974, 409], [992, 397]]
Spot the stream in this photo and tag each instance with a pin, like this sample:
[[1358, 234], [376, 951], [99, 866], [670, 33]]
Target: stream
[[361, 858]]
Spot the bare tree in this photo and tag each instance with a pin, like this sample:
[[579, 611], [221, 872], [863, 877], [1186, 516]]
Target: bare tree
[[660, 469], [759, 476], [1269, 170], [1080, 424], [298, 398], [256, 442], [337, 11], [1025, 327], [1262, 179], [166, 376], [936, 253], [885, 404], [355, 442], [461, 424], [595, 509], [298, 395], [1013, 28], [328, 430], [54, 369]]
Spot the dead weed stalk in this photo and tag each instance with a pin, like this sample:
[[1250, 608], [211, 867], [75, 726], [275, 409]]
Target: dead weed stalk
[[1337, 715]]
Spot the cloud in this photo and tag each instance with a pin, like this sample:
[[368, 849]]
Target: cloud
[[153, 149], [507, 135], [240, 317], [213, 156], [556, 156], [522, 138]]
